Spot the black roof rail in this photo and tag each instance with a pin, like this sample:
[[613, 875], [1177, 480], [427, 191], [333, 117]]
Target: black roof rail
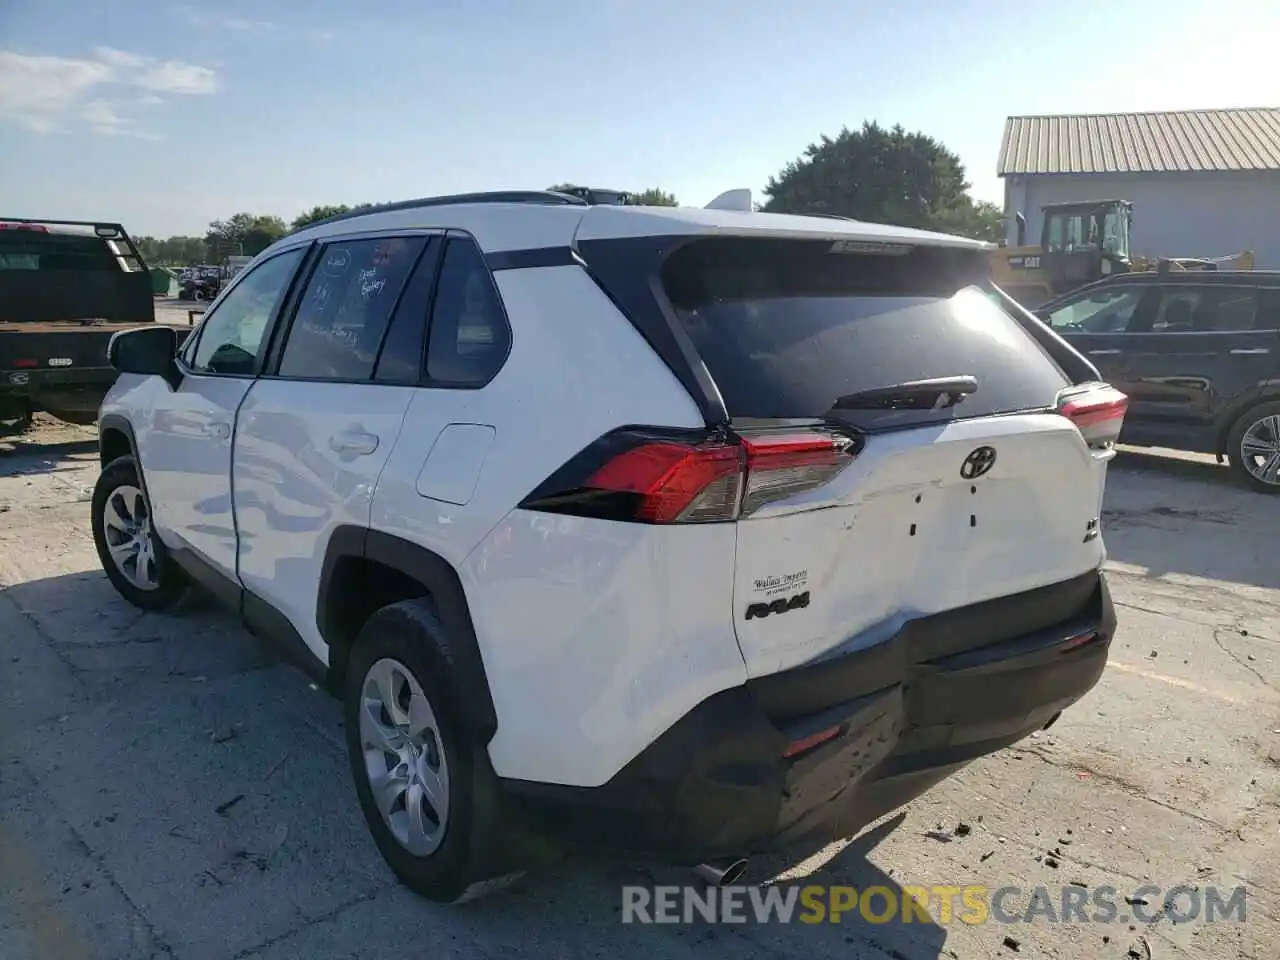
[[494, 196]]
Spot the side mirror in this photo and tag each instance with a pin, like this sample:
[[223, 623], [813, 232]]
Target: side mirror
[[148, 351]]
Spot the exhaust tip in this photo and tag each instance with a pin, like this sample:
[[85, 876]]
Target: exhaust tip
[[722, 874]]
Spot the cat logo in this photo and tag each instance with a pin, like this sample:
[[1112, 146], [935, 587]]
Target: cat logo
[[781, 605]]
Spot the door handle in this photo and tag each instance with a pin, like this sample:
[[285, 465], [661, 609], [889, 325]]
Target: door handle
[[1103, 353], [217, 430], [354, 443], [1249, 351]]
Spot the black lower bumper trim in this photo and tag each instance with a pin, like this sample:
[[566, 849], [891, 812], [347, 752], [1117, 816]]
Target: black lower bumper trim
[[910, 712]]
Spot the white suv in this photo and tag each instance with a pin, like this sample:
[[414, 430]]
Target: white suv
[[681, 532]]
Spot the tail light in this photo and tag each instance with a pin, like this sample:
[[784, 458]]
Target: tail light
[[33, 227], [648, 477], [1098, 412]]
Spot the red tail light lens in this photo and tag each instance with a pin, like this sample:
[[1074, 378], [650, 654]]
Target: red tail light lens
[[649, 478], [1097, 411], [674, 482], [33, 227]]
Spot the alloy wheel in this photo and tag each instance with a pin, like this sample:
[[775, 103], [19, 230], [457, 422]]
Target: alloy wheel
[[1260, 449]]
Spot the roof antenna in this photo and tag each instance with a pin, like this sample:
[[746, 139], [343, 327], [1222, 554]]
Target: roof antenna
[[732, 200]]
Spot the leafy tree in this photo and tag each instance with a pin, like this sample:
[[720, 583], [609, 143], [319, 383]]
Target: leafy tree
[[317, 213], [653, 197], [245, 233], [978, 219], [171, 252], [883, 176]]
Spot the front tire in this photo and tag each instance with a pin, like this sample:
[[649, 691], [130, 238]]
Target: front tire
[[427, 796], [1253, 447], [132, 555]]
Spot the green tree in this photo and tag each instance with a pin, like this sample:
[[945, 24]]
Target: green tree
[[653, 197], [150, 248], [245, 233], [978, 219], [317, 213], [882, 176]]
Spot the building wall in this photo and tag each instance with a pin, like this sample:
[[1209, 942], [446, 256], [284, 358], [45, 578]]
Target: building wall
[[1174, 214]]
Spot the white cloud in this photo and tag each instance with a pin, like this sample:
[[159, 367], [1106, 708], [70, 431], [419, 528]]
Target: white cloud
[[212, 20], [174, 76], [216, 21], [46, 93], [119, 58], [38, 91]]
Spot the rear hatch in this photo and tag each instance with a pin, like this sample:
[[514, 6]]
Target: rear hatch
[[908, 451]]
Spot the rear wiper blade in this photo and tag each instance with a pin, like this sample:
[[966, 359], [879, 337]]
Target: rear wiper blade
[[935, 394]]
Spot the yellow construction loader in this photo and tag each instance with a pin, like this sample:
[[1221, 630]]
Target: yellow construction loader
[[1081, 242]]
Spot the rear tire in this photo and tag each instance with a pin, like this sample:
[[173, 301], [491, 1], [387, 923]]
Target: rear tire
[[436, 821], [1253, 447], [135, 560]]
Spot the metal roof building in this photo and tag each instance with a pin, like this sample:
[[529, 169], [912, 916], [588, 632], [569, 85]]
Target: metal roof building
[[1203, 182]]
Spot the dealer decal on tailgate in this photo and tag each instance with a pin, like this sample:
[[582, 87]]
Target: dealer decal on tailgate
[[773, 592]]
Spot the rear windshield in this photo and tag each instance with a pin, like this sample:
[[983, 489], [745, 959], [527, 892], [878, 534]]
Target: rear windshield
[[32, 250], [787, 327]]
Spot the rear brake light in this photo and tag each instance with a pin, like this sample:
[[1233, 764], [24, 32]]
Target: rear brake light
[[25, 363], [1098, 412], [33, 227], [649, 478], [672, 481]]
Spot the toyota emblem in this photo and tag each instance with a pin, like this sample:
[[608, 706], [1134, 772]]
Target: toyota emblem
[[978, 463]]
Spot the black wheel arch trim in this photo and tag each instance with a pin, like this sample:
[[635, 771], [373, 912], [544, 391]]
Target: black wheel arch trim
[[120, 424], [114, 421], [442, 583]]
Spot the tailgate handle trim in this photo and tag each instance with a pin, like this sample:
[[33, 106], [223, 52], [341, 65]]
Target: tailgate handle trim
[[1103, 353], [1249, 351]]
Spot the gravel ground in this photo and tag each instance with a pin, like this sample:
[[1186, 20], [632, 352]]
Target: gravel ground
[[169, 789], [174, 311]]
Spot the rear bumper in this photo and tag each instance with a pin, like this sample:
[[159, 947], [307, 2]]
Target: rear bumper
[[909, 712], [78, 389]]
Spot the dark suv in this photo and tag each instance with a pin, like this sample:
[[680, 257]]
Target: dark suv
[[1198, 354]]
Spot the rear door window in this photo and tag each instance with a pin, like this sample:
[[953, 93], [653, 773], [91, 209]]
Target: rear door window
[[788, 327], [338, 329], [1211, 308]]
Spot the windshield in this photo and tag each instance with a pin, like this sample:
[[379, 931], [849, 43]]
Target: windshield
[[785, 339]]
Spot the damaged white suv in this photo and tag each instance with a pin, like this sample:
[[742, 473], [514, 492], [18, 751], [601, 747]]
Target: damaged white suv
[[686, 533]]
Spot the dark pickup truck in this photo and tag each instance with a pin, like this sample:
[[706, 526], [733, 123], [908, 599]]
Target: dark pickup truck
[[65, 288]]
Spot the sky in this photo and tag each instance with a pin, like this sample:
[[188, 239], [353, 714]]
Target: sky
[[167, 116]]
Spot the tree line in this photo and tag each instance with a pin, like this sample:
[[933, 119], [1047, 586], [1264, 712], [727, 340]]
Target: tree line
[[876, 174]]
